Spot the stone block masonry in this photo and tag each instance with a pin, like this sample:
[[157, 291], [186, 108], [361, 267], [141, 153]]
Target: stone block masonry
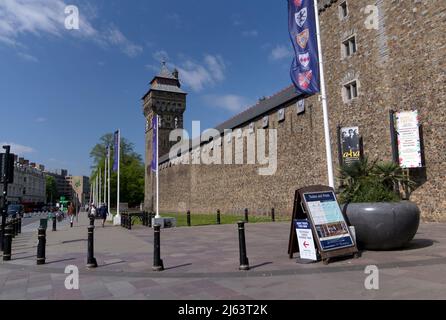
[[398, 66]]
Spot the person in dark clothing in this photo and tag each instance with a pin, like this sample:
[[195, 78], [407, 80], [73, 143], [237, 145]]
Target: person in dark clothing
[[103, 212]]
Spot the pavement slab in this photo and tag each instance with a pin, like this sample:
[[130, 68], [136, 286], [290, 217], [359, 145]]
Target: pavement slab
[[202, 263]]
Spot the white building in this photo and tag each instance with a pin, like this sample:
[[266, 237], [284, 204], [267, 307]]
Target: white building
[[29, 183]]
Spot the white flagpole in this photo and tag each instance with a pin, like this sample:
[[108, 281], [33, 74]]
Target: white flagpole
[[105, 180], [100, 185], [117, 219], [157, 168], [108, 181], [324, 101]]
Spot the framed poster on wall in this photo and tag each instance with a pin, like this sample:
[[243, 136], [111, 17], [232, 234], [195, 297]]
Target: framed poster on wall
[[350, 144], [408, 139]]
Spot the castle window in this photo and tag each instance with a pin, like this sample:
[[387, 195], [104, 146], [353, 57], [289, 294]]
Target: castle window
[[349, 46], [350, 91], [343, 10]]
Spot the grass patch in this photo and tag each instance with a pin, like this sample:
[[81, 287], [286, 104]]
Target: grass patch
[[211, 219]]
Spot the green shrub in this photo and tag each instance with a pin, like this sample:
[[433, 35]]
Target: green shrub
[[363, 181]]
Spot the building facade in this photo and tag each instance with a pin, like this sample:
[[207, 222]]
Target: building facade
[[379, 57], [80, 189], [29, 184]]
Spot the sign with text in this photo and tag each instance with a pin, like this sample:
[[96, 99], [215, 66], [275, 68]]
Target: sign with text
[[350, 144], [329, 223], [409, 144], [305, 239]]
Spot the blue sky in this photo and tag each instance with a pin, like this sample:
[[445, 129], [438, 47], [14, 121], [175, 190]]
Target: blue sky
[[60, 89]]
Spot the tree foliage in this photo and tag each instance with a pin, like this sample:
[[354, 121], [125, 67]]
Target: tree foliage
[[131, 170], [51, 189]]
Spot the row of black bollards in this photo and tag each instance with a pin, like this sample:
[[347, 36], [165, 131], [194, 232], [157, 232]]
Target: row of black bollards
[[158, 264], [12, 229]]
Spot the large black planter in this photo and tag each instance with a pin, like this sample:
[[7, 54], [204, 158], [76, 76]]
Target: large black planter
[[383, 226]]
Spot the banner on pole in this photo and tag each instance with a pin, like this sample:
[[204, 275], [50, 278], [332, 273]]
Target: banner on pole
[[117, 150], [154, 163], [302, 28]]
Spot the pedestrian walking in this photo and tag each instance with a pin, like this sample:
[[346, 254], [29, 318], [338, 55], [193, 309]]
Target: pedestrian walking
[[71, 213], [104, 213]]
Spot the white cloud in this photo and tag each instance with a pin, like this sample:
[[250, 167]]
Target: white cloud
[[18, 148], [115, 37], [250, 33], [281, 52], [27, 57], [199, 75], [40, 119], [229, 102], [160, 55], [47, 17]]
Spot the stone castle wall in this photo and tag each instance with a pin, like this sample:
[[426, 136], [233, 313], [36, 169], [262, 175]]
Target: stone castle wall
[[400, 66]]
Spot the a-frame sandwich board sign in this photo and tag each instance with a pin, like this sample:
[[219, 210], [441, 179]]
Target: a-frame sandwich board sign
[[318, 204]]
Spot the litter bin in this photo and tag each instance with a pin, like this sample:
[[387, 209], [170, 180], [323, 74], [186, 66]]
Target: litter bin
[[44, 223]]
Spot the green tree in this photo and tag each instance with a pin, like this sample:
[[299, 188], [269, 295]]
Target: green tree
[[131, 170], [51, 189]]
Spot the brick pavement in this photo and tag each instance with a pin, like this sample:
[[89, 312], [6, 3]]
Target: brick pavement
[[202, 263]]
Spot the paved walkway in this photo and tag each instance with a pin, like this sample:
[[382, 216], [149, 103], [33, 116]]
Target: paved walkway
[[202, 263]]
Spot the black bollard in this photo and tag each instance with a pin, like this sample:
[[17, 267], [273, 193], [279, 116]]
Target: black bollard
[[20, 225], [54, 223], [144, 219], [130, 221], [92, 221], [244, 263], [41, 245], [157, 261], [14, 227], [91, 260], [218, 217], [7, 243], [246, 215], [273, 216], [150, 219], [188, 218]]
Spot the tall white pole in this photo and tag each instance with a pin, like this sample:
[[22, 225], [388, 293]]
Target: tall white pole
[[324, 101], [110, 216], [157, 169], [97, 189], [108, 178], [100, 185], [118, 216], [105, 180]]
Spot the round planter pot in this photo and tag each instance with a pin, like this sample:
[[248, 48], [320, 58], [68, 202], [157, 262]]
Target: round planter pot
[[385, 225]]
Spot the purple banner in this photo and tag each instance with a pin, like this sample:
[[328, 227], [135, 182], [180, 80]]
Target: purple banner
[[302, 28], [154, 143], [117, 150]]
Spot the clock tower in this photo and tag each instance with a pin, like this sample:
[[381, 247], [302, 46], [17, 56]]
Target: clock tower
[[166, 99]]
